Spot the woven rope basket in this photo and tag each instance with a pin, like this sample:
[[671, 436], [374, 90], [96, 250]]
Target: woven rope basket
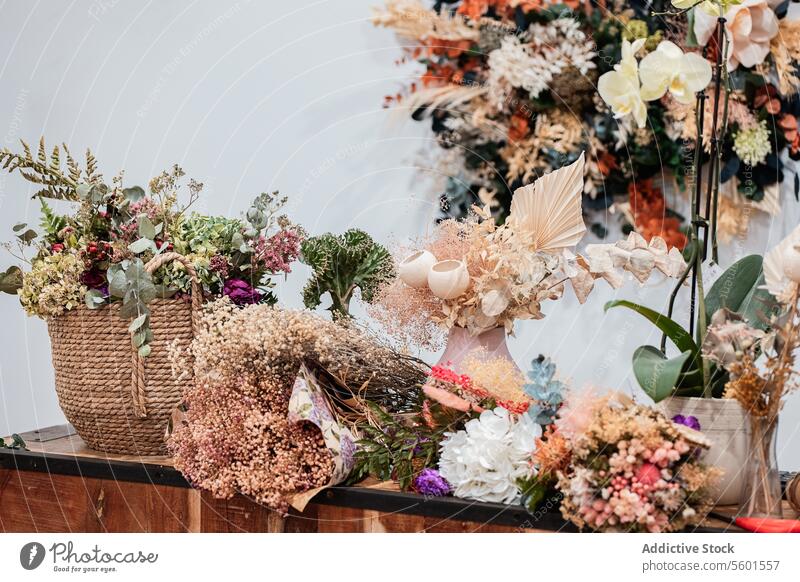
[[118, 402]]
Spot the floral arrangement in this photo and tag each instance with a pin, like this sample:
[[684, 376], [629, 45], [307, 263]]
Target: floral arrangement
[[472, 435], [514, 89], [615, 465], [761, 364], [236, 434], [478, 275], [96, 253], [630, 468]]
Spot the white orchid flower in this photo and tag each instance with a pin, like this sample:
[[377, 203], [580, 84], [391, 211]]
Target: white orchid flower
[[621, 88], [668, 68], [710, 6]]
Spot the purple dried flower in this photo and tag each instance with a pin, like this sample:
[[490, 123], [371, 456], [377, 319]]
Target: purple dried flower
[[241, 292], [690, 421], [430, 482]]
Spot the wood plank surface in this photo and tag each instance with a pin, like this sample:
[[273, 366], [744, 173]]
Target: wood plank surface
[[42, 500]]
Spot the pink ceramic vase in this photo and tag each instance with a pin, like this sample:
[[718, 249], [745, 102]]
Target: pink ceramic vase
[[460, 343]]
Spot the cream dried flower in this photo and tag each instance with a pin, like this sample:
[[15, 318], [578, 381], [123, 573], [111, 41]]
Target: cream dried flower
[[53, 285]]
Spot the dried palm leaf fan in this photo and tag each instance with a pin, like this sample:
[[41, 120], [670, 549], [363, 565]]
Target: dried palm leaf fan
[[549, 210]]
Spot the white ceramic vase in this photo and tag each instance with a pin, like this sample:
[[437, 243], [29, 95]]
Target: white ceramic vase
[[414, 269], [725, 423], [448, 279]]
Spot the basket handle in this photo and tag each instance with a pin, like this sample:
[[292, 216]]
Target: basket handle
[[138, 383]]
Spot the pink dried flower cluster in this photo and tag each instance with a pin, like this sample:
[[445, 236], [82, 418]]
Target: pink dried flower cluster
[[235, 436], [276, 253], [632, 469], [129, 231], [407, 315]]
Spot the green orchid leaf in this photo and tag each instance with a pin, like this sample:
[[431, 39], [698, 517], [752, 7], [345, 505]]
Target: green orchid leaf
[[673, 330], [657, 375], [739, 289]]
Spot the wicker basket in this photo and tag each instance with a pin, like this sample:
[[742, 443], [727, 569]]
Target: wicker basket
[[117, 401]]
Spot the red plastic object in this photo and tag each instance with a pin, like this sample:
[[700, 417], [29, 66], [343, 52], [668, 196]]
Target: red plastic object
[[766, 525]]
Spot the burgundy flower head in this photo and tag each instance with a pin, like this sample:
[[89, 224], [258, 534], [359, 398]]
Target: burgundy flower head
[[241, 292]]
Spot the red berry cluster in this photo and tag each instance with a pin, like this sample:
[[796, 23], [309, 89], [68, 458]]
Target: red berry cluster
[[160, 243], [96, 252]]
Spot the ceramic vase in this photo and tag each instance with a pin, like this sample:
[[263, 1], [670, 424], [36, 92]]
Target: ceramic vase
[[725, 423], [460, 343]]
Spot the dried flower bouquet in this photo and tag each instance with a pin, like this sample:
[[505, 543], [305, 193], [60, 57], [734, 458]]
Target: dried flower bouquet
[[477, 275]]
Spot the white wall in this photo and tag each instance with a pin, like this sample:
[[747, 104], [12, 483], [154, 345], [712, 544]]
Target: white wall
[[250, 96]]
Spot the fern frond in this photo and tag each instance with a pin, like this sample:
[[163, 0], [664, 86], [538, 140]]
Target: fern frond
[[27, 149], [72, 166], [92, 175], [51, 222], [42, 152], [55, 160], [45, 170]]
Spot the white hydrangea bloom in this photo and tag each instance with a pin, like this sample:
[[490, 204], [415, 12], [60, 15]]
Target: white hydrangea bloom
[[485, 460]]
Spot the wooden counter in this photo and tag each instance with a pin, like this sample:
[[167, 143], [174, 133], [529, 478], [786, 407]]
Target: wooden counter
[[62, 486]]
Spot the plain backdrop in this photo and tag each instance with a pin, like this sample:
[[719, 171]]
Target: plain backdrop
[[255, 96]]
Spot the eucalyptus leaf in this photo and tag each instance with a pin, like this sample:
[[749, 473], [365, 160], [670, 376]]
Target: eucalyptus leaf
[[137, 323], [144, 351], [18, 227], [98, 193], [657, 375], [27, 236], [94, 299], [83, 190], [164, 292], [141, 245], [146, 291], [146, 228], [132, 308], [133, 194], [11, 280], [117, 284], [139, 338]]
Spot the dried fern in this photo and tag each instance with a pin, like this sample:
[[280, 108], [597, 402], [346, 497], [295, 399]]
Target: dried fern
[[59, 182]]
